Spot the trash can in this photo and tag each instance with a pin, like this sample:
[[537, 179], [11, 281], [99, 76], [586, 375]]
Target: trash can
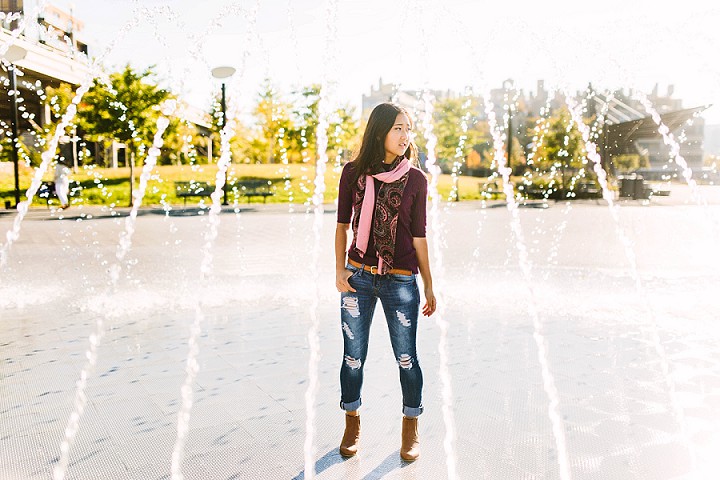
[[632, 186]]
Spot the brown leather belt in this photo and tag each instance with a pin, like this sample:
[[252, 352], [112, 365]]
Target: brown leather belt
[[373, 269]]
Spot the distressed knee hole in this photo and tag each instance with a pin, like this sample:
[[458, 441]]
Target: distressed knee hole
[[353, 363], [404, 321], [406, 361], [351, 305], [348, 332]]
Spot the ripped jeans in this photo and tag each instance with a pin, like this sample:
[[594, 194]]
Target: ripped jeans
[[400, 300]]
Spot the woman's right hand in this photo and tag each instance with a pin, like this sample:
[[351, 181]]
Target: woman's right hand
[[341, 280]]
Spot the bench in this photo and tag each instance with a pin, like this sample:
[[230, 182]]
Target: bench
[[587, 190], [247, 187], [253, 187], [491, 190], [193, 189], [659, 190]]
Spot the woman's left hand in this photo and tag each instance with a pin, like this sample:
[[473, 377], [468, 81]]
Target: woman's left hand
[[430, 302]]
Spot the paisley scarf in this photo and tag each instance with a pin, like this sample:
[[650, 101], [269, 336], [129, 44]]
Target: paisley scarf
[[386, 209]]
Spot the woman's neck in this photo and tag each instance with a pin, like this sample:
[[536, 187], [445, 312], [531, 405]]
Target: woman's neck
[[389, 158]]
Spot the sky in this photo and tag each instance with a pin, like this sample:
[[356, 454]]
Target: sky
[[436, 44]]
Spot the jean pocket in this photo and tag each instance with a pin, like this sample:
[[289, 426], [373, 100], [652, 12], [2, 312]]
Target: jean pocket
[[402, 278], [353, 269]]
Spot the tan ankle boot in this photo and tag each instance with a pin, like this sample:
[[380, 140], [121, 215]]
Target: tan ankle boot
[[349, 444], [410, 449]]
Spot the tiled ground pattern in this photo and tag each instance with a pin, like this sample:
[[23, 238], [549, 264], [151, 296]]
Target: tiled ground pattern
[[637, 371]]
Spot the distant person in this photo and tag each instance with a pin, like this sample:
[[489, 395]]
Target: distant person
[[383, 196], [62, 172]]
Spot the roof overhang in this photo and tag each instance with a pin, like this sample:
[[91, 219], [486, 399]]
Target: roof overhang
[[620, 137], [48, 62]]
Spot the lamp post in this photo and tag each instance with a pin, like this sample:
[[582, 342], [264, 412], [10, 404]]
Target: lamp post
[[508, 84], [14, 54], [221, 73]]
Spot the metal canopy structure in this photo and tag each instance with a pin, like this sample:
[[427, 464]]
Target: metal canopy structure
[[619, 138]]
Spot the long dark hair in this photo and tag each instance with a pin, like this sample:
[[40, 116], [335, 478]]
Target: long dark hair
[[372, 149]]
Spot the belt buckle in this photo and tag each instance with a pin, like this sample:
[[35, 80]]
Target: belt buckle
[[371, 270]]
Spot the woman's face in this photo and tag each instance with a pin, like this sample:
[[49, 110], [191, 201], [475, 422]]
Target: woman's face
[[397, 139]]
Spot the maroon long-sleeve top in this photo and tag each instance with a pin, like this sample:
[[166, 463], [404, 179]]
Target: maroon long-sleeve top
[[411, 218]]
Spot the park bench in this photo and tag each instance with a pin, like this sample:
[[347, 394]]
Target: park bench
[[254, 187], [587, 190], [193, 189], [659, 190], [491, 190]]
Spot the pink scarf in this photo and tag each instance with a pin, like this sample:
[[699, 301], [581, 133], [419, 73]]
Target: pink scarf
[[366, 214]]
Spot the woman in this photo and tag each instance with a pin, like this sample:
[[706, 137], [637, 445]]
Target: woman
[[383, 196]]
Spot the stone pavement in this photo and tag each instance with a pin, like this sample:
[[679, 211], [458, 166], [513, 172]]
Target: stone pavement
[[632, 355]]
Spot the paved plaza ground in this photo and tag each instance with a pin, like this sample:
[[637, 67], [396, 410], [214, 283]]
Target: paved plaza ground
[[626, 386]]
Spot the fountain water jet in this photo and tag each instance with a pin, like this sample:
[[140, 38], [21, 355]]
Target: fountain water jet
[[440, 321], [674, 145], [95, 338], [525, 266], [539, 132], [592, 153], [191, 364], [459, 151], [313, 336], [426, 101]]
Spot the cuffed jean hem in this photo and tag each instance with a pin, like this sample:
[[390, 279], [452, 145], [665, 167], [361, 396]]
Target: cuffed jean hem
[[412, 411], [352, 406]]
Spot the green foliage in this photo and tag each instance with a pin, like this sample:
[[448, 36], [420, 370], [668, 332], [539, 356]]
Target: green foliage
[[629, 162], [58, 99], [449, 115], [562, 146], [272, 116], [448, 118], [285, 131], [126, 108], [343, 134], [181, 141], [306, 117]]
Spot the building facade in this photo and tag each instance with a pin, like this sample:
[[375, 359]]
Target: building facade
[[411, 100], [51, 58]]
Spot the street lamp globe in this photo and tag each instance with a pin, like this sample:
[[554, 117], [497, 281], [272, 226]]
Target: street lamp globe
[[222, 73], [15, 53]]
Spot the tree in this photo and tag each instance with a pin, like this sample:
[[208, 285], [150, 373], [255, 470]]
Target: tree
[[57, 100], [181, 143], [562, 150], [449, 116], [306, 117], [288, 130], [272, 118], [126, 109], [629, 162], [343, 134]]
